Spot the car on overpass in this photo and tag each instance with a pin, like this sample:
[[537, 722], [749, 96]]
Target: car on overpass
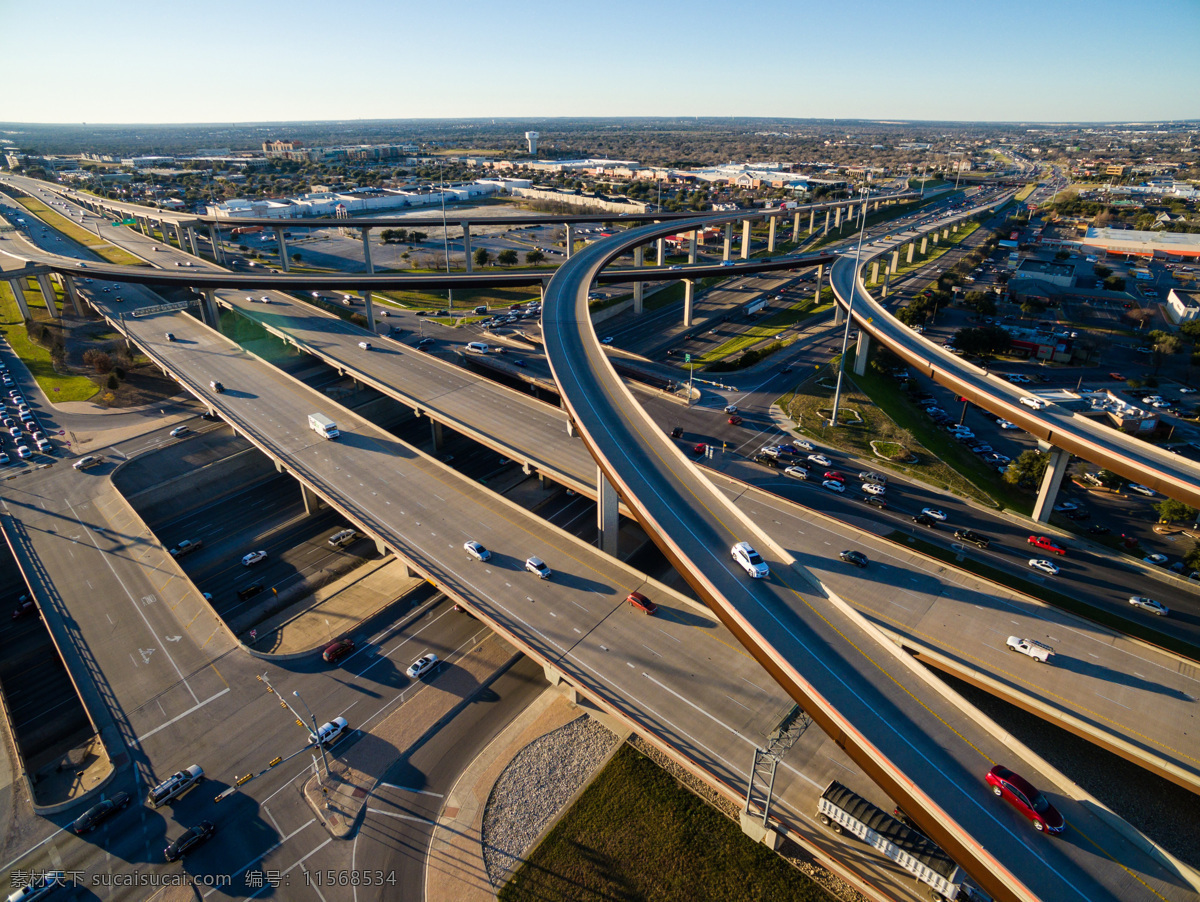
[[1021, 794], [422, 665], [750, 560], [335, 651], [1149, 604]]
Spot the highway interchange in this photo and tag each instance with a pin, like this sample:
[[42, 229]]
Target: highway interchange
[[242, 401]]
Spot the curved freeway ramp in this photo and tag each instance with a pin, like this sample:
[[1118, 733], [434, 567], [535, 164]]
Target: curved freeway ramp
[[921, 744], [1136, 460]]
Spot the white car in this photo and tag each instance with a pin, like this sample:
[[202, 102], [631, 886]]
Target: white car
[[84, 462], [328, 734], [365, 345], [1187, 391], [23, 452], [834, 486], [537, 566], [1043, 565], [872, 488], [1005, 424], [422, 665], [1157, 559], [750, 561], [805, 445], [1035, 403], [1142, 490], [178, 431], [934, 514], [731, 408], [1149, 604], [820, 460], [1030, 647], [253, 558], [477, 551], [796, 472]]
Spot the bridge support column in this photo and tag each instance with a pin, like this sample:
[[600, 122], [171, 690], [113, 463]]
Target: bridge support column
[[383, 549], [143, 225], [73, 294], [570, 241], [795, 228], [874, 272], [825, 231], [370, 311], [18, 290], [887, 281], [638, 287], [935, 239], [608, 518], [467, 246], [179, 237], [924, 244], [48, 293], [895, 261], [312, 502], [214, 235], [1055, 471], [812, 220], [728, 242], [876, 206], [945, 234], [839, 314], [820, 276], [208, 309], [191, 235], [912, 247], [837, 219], [661, 252], [692, 249], [771, 234], [166, 235], [283, 258], [745, 239], [862, 351], [689, 299], [366, 243]]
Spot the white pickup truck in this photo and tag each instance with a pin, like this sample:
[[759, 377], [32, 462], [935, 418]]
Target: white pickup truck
[[1030, 647]]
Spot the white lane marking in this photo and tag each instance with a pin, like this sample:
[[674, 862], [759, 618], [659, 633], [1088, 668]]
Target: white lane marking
[[402, 817], [246, 866], [423, 792]]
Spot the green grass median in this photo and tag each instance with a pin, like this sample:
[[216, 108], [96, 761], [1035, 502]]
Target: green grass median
[[90, 240], [37, 359]]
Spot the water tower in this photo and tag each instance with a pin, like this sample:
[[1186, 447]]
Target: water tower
[[532, 137]]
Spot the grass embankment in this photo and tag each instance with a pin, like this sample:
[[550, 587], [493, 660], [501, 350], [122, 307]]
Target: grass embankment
[[1025, 192], [933, 253], [635, 833], [1049, 595], [463, 297], [58, 387], [887, 415], [76, 232], [768, 328]]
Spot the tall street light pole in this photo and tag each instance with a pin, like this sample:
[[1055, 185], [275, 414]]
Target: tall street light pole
[[316, 733], [837, 393]]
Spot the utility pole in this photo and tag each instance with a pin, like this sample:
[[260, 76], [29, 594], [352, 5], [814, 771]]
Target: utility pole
[[316, 734]]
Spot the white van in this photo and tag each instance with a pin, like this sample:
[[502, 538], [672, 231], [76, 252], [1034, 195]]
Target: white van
[[477, 347], [174, 786]]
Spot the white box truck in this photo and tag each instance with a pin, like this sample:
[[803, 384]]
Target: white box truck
[[322, 425], [844, 811]]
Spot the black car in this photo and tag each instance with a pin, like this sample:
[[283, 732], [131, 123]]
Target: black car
[[767, 461], [216, 386], [250, 591], [191, 838], [969, 535], [925, 520], [1080, 513], [873, 501], [857, 558], [677, 432], [1098, 530], [94, 816]]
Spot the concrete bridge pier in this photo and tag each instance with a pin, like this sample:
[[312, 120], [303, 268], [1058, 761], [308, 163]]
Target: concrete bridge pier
[[608, 518], [73, 293], [208, 309], [689, 300], [1056, 469], [692, 249], [839, 314], [912, 247], [795, 228], [745, 239], [312, 501], [887, 281], [728, 242], [771, 223], [924, 244], [812, 220], [466, 246], [935, 239], [283, 258], [661, 252], [366, 243], [895, 261], [570, 241], [862, 351], [874, 272], [48, 293], [370, 311], [179, 237], [435, 431], [639, 287], [825, 231], [191, 234], [18, 290], [214, 235], [837, 219]]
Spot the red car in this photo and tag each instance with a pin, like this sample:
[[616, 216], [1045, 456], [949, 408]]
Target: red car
[[1046, 544], [1116, 376], [641, 602], [337, 650], [735, 420], [1018, 792], [835, 476], [700, 448]]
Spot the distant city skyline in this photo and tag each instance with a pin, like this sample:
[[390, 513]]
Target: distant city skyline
[[1020, 61]]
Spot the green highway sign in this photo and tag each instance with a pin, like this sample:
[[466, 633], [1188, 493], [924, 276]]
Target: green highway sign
[[687, 358], [125, 222]]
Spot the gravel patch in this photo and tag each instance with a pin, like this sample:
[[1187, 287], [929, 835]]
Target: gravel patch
[[535, 788]]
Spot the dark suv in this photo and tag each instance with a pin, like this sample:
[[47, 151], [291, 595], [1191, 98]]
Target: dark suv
[[250, 591], [857, 558], [873, 501], [967, 535]]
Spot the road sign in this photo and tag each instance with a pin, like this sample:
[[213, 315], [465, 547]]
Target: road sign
[[164, 308], [119, 222], [687, 358]]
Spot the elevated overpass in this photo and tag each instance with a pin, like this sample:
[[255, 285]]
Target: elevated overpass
[[911, 736]]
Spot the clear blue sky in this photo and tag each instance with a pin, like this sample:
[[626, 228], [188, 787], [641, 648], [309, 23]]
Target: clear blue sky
[[211, 61]]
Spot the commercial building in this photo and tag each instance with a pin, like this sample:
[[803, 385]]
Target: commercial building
[[1182, 306], [1061, 274], [1133, 243]]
